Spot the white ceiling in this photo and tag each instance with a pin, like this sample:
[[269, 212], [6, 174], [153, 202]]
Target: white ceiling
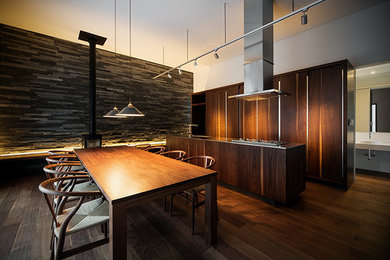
[[157, 23], [373, 76]]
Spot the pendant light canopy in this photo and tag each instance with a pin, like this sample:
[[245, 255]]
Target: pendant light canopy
[[130, 110]]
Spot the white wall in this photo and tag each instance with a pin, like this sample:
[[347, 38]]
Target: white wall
[[363, 110], [362, 38], [221, 74]]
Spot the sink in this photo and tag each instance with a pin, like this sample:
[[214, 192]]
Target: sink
[[367, 142], [373, 145]]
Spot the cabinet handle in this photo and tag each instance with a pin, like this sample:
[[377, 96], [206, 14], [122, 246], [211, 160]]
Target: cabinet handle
[[279, 115], [307, 123], [342, 123], [226, 109]]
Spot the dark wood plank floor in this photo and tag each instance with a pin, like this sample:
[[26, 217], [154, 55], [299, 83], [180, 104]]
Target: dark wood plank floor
[[325, 223]]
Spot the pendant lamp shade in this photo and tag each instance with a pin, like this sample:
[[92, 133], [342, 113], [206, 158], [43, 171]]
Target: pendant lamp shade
[[130, 110], [114, 113]]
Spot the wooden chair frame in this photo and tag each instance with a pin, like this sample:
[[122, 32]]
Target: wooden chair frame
[[63, 191], [208, 162], [142, 146], [60, 158], [160, 149], [59, 152], [179, 154]]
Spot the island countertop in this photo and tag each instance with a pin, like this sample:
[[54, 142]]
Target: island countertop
[[231, 140]]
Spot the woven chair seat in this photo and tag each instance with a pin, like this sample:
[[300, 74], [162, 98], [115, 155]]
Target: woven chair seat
[[91, 213]]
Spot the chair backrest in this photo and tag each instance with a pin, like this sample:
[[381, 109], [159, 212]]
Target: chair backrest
[[55, 170], [58, 152], [61, 189], [60, 158], [155, 149], [204, 161], [142, 146], [175, 154]]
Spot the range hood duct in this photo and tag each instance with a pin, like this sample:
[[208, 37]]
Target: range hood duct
[[258, 52]]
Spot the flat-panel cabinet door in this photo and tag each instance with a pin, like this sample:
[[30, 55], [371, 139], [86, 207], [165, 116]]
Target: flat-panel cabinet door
[[314, 124], [232, 112], [211, 113], [302, 87], [249, 119], [221, 115], [331, 123], [289, 107]]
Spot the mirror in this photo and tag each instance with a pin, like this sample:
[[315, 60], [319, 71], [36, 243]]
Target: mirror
[[373, 98], [380, 108]]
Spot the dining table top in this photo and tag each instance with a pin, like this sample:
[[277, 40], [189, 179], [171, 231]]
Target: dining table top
[[122, 172]]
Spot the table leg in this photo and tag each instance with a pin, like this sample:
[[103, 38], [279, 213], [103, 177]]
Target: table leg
[[118, 232], [211, 210]]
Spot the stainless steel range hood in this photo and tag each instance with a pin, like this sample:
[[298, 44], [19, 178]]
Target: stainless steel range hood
[[261, 95], [258, 52]]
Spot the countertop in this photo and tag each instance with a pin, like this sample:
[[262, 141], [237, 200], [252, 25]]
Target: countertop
[[372, 145], [373, 141], [229, 140]]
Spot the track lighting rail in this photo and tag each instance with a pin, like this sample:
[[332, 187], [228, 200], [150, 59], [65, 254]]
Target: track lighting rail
[[215, 50]]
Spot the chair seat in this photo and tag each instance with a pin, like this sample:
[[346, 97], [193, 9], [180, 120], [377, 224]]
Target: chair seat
[[80, 187], [91, 213], [197, 189], [85, 186]]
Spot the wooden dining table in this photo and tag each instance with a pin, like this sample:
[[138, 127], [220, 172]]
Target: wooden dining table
[[127, 176]]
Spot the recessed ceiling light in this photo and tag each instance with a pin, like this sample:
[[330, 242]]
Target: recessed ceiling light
[[372, 72]]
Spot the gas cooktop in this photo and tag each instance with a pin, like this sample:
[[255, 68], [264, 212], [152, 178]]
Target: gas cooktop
[[259, 142]]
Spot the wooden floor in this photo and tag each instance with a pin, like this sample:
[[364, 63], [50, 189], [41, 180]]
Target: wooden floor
[[325, 223]]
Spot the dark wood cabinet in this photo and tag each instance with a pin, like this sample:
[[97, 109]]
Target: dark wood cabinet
[[221, 115], [260, 119], [331, 123], [211, 113], [316, 114], [275, 173]]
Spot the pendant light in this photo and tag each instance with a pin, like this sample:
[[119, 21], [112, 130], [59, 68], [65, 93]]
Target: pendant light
[[114, 112], [130, 110]]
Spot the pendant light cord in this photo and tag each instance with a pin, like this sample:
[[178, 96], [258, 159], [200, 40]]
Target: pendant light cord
[[224, 16], [115, 69], [187, 44], [129, 50]]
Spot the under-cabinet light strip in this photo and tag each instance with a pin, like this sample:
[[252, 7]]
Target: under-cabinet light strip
[[303, 9]]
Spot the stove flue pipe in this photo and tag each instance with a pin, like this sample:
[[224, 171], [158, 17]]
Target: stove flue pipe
[[92, 39]]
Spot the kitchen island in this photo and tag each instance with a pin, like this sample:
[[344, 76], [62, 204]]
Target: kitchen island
[[276, 173]]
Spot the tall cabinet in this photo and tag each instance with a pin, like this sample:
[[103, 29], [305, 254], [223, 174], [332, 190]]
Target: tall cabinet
[[320, 113]]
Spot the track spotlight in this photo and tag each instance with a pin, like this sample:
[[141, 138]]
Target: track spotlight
[[179, 70], [216, 55], [195, 64], [304, 19], [169, 75]]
